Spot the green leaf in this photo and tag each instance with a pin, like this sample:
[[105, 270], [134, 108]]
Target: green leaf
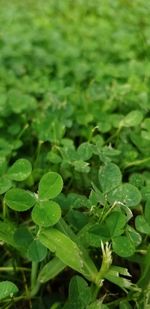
[[137, 180], [23, 238], [63, 246], [81, 166], [77, 219], [19, 199], [66, 250], [145, 191], [142, 225], [36, 251], [3, 165], [127, 194], [145, 135], [124, 304], [133, 235], [147, 211], [146, 124], [7, 230], [46, 213], [53, 157], [109, 177], [20, 170], [49, 129], [119, 276], [19, 101], [80, 294], [85, 151], [96, 196], [104, 126], [5, 147], [7, 289], [132, 119], [123, 246], [5, 184], [97, 305], [51, 270], [96, 234], [115, 223], [50, 186]]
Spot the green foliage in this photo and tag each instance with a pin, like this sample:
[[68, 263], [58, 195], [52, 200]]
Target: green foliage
[[36, 252], [126, 194], [20, 170], [123, 246], [74, 154], [19, 199], [80, 295], [50, 186], [51, 270], [7, 289], [46, 213], [109, 177], [133, 119], [68, 252]]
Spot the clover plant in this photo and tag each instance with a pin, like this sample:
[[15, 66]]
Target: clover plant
[[74, 154]]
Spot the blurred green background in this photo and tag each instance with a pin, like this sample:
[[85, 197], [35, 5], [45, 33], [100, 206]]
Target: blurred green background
[[62, 47], [77, 65]]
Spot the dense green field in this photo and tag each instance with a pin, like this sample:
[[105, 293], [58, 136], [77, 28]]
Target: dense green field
[[75, 154]]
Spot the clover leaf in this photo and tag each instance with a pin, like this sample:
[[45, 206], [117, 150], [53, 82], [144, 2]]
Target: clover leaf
[[46, 213], [50, 185], [109, 177], [20, 170], [19, 199]]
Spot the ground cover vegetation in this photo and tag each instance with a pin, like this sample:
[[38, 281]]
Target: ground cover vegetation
[[75, 154]]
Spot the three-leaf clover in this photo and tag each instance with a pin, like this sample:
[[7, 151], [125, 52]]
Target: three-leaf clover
[[46, 212]]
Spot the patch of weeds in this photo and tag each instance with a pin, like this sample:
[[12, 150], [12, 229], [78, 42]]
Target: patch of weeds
[[74, 154]]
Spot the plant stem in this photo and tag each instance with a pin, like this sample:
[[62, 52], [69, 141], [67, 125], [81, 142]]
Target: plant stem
[[115, 135], [34, 284], [38, 152], [34, 274], [137, 162], [10, 268], [104, 215], [35, 289], [23, 130], [4, 209]]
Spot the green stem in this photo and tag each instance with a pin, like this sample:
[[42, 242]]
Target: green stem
[[34, 284], [95, 290], [18, 298], [137, 162], [118, 301], [144, 280], [104, 215], [34, 273], [14, 269], [38, 152], [4, 209], [35, 289], [91, 134], [116, 134], [23, 130]]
